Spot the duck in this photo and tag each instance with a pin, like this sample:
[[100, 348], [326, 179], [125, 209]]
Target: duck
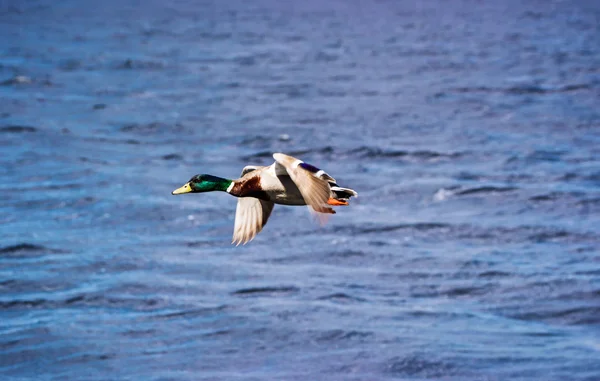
[[288, 181]]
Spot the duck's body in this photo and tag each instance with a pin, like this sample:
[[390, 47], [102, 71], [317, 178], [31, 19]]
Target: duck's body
[[288, 181], [264, 184]]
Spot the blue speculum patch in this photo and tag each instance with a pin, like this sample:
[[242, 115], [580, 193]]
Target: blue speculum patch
[[309, 167]]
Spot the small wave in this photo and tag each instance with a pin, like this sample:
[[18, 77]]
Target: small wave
[[76, 299], [584, 315], [338, 335], [595, 272], [16, 129], [213, 36], [552, 235], [263, 141], [21, 247], [113, 141], [25, 249], [79, 300], [545, 197], [494, 274], [19, 303], [537, 234], [566, 199], [312, 121], [86, 358], [348, 254], [16, 80], [152, 128], [545, 156], [266, 290], [290, 90], [188, 313], [443, 194], [131, 64], [217, 333], [84, 159], [423, 226], [484, 190], [373, 152], [524, 89], [8, 283], [172, 156], [340, 297], [465, 291], [545, 90], [256, 140], [419, 365], [205, 243], [525, 233], [370, 152], [544, 334], [362, 152]]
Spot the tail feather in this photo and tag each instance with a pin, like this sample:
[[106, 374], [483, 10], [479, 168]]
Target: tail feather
[[339, 195], [343, 194]]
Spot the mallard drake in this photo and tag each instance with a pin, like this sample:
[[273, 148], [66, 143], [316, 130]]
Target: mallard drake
[[288, 181]]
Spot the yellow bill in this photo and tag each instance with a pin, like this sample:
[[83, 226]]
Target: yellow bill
[[184, 189]]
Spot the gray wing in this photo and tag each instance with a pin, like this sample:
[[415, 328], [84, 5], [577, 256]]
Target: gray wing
[[314, 190], [251, 216]]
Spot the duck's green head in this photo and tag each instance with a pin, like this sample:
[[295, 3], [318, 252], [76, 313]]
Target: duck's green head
[[204, 183]]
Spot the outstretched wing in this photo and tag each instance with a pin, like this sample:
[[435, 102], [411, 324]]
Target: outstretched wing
[[248, 169], [314, 189], [251, 216]]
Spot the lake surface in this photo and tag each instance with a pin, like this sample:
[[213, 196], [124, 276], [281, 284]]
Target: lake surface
[[470, 130]]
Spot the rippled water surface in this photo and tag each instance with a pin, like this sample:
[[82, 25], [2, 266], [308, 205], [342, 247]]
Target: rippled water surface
[[470, 129]]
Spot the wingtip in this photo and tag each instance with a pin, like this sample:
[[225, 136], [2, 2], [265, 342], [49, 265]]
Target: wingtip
[[286, 160], [240, 242]]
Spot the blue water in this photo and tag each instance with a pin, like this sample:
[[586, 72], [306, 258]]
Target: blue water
[[470, 129]]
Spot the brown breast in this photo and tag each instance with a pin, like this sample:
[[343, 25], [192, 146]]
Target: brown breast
[[249, 188]]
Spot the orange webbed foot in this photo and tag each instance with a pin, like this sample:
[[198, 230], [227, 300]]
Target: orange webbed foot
[[334, 202]]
